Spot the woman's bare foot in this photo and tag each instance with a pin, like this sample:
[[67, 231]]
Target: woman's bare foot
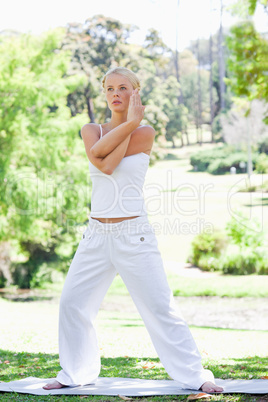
[[211, 387], [54, 385]]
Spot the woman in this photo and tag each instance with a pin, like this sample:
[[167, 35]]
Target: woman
[[120, 239]]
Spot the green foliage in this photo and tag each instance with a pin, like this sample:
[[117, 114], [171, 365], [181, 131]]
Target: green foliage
[[263, 145], [223, 165], [245, 233], [246, 263], [244, 252], [248, 62], [41, 177], [209, 244], [219, 160], [262, 163], [245, 8]]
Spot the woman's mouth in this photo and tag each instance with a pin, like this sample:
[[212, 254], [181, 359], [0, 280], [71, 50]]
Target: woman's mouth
[[116, 102]]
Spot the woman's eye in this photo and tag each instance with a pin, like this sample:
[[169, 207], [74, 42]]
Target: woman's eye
[[123, 88], [109, 89]]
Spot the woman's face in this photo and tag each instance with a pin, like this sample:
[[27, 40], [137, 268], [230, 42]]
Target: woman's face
[[118, 90]]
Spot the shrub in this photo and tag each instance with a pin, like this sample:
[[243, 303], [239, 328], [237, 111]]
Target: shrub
[[239, 263], [220, 159], [263, 145], [207, 243], [209, 262], [222, 166], [202, 159], [244, 232], [246, 253], [262, 163]]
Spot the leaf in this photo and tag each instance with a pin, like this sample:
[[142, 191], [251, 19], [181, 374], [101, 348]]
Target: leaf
[[201, 395], [125, 398]]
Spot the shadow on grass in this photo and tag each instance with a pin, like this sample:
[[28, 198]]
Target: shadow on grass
[[13, 298], [262, 203], [21, 365], [171, 157], [24, 295], [240, 368]]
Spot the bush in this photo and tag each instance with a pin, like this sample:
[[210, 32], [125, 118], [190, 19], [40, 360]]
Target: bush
[[220, 159], [262, 163], [207, 244], [244, 232], [263, 145], [246, 253], [209, 262], [222, 166], [244, 263], [202, 159]]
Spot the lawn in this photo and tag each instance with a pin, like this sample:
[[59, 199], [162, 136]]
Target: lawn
[[29, 348], [218, 285], [180, 204]]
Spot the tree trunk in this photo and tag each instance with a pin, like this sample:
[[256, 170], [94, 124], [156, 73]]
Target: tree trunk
[[90, 108], [187, 135], [221, 62], [182, 142], [211, 88], [180, 97], [199, 93]]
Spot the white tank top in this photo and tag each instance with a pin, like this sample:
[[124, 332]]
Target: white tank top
[[121, 193]]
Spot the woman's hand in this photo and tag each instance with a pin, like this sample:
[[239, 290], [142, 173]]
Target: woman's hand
[[135, 108]]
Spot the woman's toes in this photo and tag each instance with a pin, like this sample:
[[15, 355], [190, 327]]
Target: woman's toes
[[210, 387], [54, 385]]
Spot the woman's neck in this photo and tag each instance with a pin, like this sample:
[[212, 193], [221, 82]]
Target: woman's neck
[[117, 119]]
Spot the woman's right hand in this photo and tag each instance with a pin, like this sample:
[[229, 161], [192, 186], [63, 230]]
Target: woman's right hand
[[135, 108]]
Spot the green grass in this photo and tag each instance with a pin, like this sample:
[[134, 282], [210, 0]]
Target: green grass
[[27, 328], [21, 365], [220, 285], [211, 202], [223, 286]]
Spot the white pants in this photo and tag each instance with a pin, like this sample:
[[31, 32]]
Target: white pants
[[129, 248]]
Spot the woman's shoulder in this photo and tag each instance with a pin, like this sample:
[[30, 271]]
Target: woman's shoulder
[[90, 128], [146, 129]]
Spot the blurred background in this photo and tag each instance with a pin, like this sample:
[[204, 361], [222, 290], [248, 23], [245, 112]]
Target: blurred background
[[203, 68]]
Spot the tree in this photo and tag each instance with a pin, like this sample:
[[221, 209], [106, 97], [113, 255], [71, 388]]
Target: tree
[[96, 45], [40, 147], [245, 8], [248, 62]]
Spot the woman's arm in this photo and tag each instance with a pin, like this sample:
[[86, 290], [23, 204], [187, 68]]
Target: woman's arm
[[141, 140], [106, 153], [109, 162], [105, 145], [111, 140]]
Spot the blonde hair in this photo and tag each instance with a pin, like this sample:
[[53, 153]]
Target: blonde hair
[[126, 72]]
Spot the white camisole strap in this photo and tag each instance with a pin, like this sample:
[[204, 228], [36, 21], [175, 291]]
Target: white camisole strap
[[100, 130]]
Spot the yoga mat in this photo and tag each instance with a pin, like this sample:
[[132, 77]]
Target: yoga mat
[[130, 387]]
